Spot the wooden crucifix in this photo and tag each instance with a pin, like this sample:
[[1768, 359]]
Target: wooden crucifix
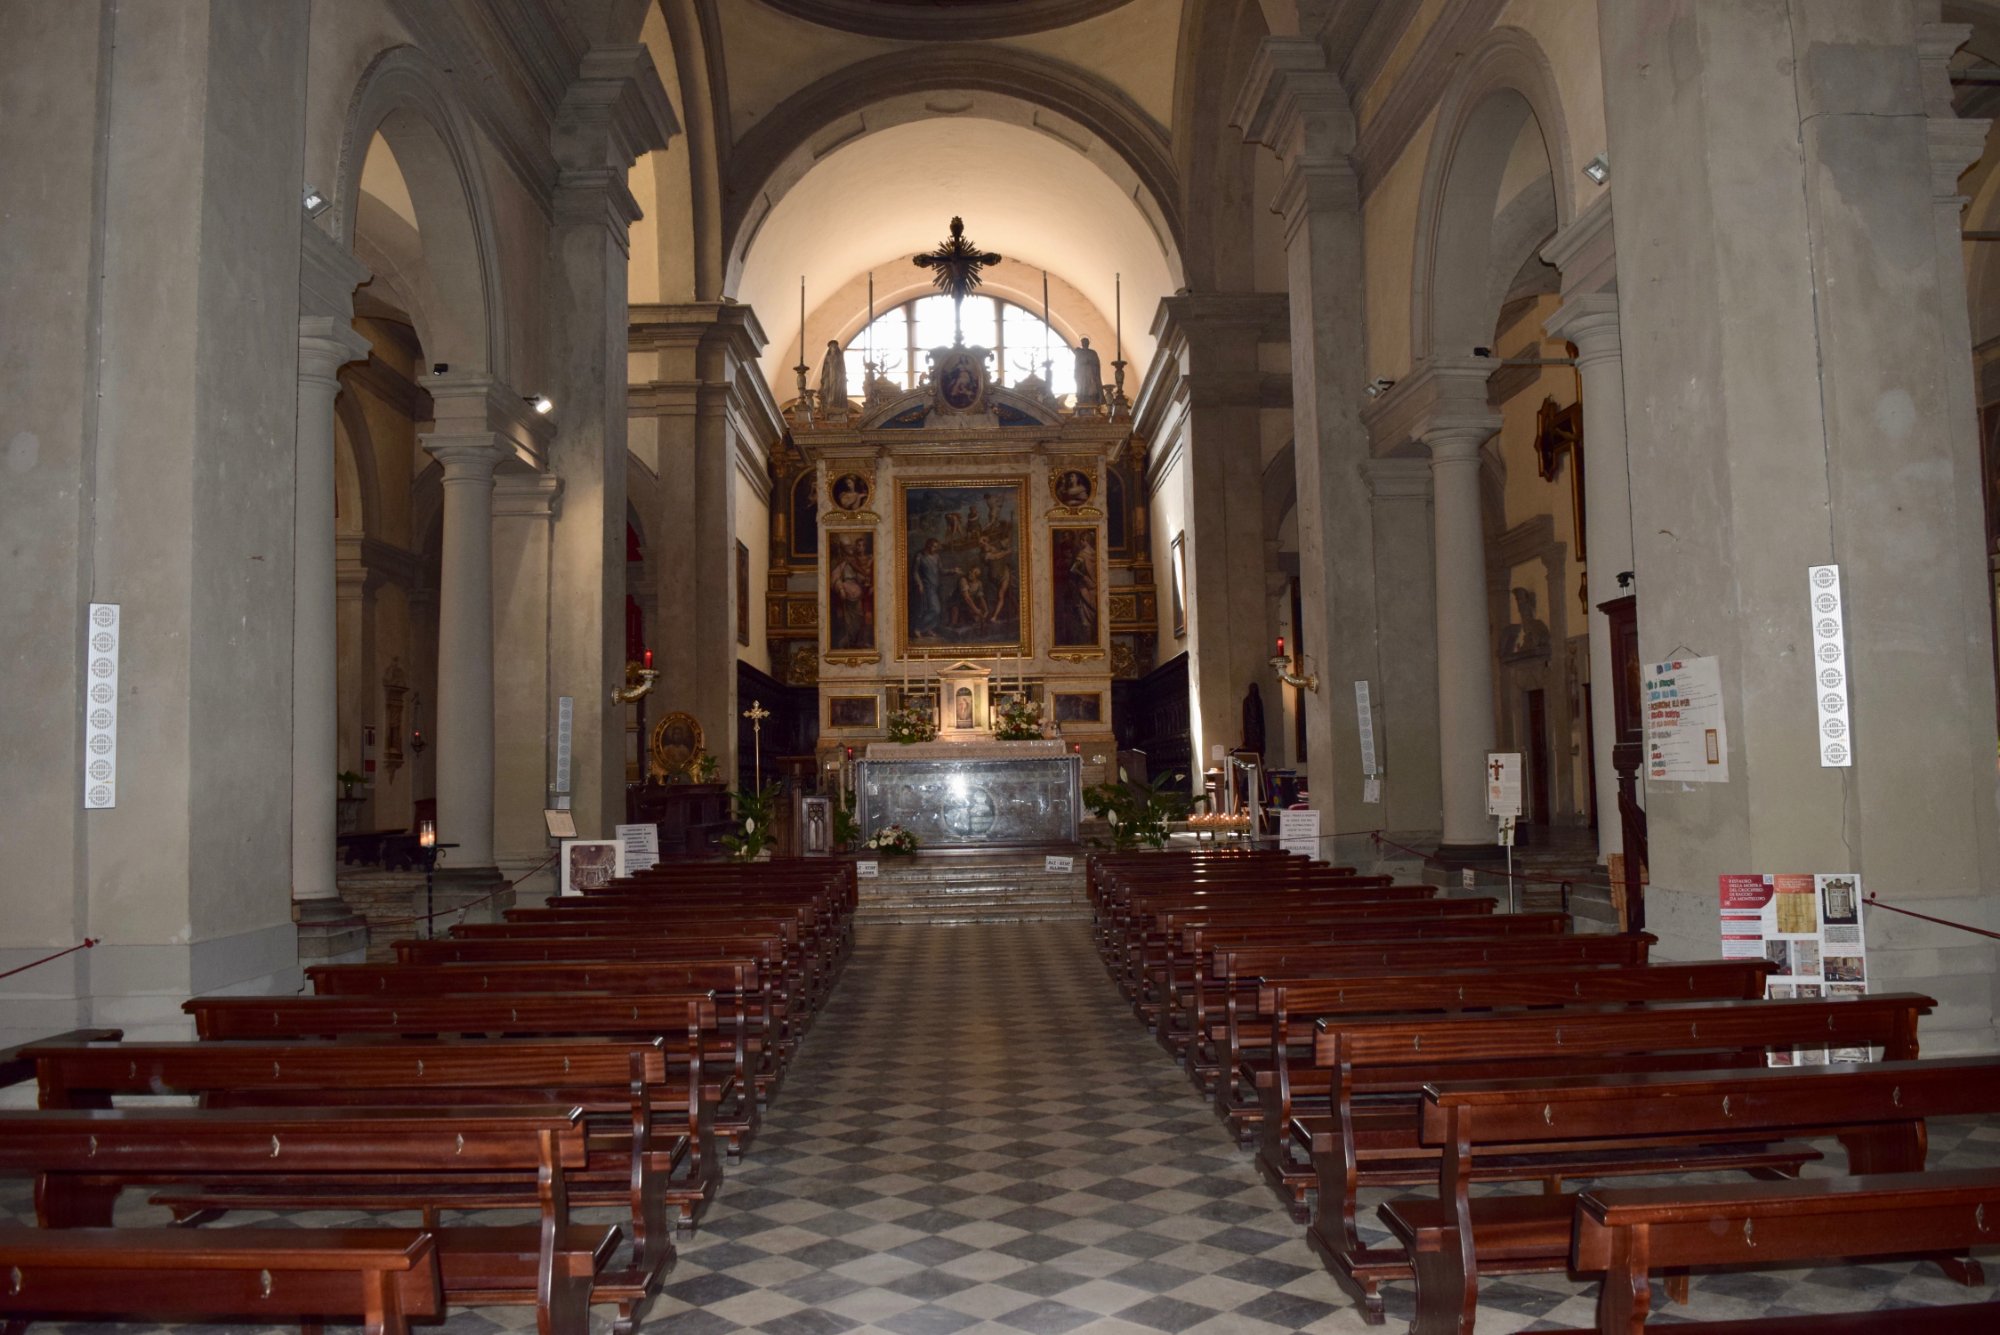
[[955, 267]]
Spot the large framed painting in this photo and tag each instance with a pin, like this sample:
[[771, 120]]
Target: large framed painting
[[1074, 586], [850, 590], [964, 566]]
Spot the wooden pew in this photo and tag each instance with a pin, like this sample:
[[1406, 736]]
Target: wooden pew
[[651, 1132], [384, 1276], [737, 1067], [1631, 1232], [1223, 973], [1356, 1110], [1286, 1011], [82, 1160]]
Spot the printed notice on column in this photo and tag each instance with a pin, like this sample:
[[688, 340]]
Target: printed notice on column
[[1809, 928], [1685, 736]]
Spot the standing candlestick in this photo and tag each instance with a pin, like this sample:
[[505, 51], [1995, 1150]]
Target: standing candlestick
[[1118, 363], [805, 399]]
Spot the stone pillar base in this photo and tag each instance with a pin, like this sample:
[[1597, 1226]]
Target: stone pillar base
[[329, 932], [470, 889]]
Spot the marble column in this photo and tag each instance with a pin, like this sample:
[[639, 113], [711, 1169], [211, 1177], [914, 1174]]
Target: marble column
[[1464, 632], [1591, 323], [328, 929], [615, 110], [1294, 105], [465, 443], [1795, 371]]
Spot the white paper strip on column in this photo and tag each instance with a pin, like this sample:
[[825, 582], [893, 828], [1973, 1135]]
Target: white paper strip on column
[[100, 715], [565, 732], [1829, 639], [1364, 713]]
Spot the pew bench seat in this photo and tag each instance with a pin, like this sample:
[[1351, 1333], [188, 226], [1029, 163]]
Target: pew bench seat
[[383, 1276]]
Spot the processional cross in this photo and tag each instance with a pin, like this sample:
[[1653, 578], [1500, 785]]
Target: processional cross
[[955, 267], [756, 713]]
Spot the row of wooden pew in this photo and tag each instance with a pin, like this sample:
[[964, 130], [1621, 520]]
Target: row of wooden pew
[[610, 1050], [1361, 1034]]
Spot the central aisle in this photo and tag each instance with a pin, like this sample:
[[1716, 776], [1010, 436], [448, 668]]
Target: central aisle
[[977, 1135]]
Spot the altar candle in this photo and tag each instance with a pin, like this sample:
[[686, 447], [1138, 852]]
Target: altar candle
[[649, 658], [1117, 306], [802, 319]]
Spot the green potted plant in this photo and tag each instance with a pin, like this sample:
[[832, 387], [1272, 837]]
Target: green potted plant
[[1137, 811], [846, 827], [753, 822]]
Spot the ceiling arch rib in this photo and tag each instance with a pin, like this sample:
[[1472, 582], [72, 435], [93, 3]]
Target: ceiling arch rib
[[1093, 118], [925, 21]]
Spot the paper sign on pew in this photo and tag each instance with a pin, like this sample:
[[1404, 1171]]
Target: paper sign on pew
[[641, 844], [1298, 832], [1056, 862], [1810, 927]]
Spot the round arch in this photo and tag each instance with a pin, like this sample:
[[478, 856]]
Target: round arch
[[357, 483], [401, 97], [1504, 86], [1102, 124]]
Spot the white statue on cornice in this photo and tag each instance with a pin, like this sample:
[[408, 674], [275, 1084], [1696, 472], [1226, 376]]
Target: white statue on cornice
[[833, 400], [1089, 377]]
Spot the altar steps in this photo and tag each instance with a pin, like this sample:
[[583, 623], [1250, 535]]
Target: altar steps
[[947, 888]]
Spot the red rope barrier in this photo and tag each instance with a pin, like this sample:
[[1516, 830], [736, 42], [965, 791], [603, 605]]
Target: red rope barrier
[[84, 944], [1873, 902]]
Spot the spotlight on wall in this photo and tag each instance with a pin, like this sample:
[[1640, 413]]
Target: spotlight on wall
[[1378, 387], [1482, 352], [315, 203], [541, 403], [439, 368], [1598, 169]]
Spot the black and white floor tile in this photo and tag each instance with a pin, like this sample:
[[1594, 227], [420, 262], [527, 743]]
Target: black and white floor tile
[[977, 1136]]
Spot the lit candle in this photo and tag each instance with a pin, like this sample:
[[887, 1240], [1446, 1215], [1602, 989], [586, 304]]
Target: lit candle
[[427, 835], [649, 658], [1117, 306], [1281, 646]]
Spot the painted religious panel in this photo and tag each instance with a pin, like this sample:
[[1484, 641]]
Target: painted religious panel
[[850, 591], [1073, 583], [964, 566]]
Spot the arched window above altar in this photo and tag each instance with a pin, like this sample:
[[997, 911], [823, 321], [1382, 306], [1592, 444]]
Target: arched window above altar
[[901, 337]]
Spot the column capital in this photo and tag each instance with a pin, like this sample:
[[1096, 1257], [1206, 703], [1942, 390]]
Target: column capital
[[327, 343], [1584, 252], [1590, 322], [1406, 478], [1292, 104], [597, 197], [472, 405], [1442, 395], [470, 457], [614, 111], [527, 496]]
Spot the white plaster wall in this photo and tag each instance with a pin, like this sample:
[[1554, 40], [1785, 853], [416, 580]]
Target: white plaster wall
[[1567, 34], [1388, 240]]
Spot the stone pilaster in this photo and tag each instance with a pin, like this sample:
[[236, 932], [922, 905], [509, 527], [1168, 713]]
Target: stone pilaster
[[1294, 105], [700, 360], [1797, 394], [328, 929], [1406, 699], [614, 111], [525, 511], [1204, 399], [1590, 322]]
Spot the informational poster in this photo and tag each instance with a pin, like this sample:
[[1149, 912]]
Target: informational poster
[[1503, 783], [640, 845], [1298, 832], [1685, 736], [1809, 926]]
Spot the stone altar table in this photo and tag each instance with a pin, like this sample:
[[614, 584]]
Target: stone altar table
[[972, 794]]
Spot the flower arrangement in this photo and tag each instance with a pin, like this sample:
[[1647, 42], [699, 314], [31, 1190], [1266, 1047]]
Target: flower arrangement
[[894, 840], [1137, 811], [753, 830], [1016, 718], [703, 769], [914, 722]]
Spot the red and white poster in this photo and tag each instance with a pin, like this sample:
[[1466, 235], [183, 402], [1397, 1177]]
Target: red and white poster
[[1809, 927]]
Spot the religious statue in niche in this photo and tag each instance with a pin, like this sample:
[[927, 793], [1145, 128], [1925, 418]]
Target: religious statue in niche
[[962, 565], [833, 400], [1073, 576], [850, 591], [1527, 637], [1089, 377]]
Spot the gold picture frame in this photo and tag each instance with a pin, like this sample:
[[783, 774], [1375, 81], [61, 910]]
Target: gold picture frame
[[977, 528]]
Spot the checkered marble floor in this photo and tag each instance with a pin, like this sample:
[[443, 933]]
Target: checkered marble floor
[[978, 1136]]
